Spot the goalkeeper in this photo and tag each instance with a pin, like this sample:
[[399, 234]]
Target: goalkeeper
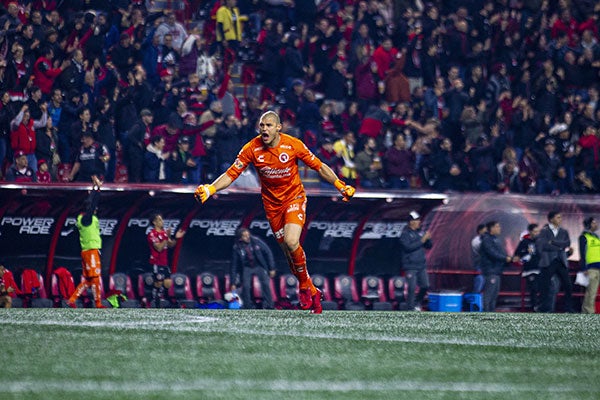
[[275, 157]]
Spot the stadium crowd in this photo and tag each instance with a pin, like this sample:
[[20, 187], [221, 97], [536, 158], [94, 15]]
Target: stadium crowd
[[442, 95]]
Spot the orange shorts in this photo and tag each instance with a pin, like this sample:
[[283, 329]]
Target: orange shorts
[[90, 261], [291, 213]]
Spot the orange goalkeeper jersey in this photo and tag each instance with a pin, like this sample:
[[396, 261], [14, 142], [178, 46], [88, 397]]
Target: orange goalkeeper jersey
[[277, 168]]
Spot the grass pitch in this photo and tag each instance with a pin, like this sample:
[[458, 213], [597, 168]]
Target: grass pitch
[[224, 354]]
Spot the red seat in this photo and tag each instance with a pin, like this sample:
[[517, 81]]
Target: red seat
[[257, 291], [396, 291], [346, 293], [373, 293], [207, 287], [181, 290], [322, 283], [34, 291], [288, 292], [122, 282]]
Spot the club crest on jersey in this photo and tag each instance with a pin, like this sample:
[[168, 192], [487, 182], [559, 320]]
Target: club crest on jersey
[[238, 164], [284, 157]]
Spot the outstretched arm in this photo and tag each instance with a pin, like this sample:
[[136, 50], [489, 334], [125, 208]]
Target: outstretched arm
[[203, 192], [327, 173]]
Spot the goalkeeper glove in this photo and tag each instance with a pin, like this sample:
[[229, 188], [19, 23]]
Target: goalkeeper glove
[[203, 192], [347, 191]]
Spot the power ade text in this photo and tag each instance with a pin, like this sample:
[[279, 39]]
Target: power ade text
[[334, 229], [380, 230], [29, 225], [168, 224], [216, 228]]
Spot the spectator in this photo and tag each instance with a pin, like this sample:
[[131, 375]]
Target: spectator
[[106, 134], [23, 137], [171, 131], [589, 263], [229, 25], [445, 168], [369, 167], [171, 27], [7, 114], [45, 147], [228, 141], [180, 162], [17, 75], [69, 114], [135, 144], [529, 255], [154, 160], [399, 164], [43, 174], [344, 149], [252, 257], [413, 243], [72, 76], [211, 118], [493, 260], [397, 86], [44, 71], [90, 159], [554, 246], [20, 170]]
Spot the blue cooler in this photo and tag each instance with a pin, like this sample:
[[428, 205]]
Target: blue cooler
[[445, 301], [473, 302]]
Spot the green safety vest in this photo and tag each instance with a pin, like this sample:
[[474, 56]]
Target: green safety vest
[[592, 254], [89, 236]]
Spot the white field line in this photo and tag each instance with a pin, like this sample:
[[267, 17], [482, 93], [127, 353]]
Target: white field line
[[153, 387], [205, 324]]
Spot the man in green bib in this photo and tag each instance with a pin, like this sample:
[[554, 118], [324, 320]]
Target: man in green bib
[[589, 262], [91, 243]]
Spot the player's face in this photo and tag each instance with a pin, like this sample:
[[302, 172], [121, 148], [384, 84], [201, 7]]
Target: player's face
[[269, 131], [158, 222]]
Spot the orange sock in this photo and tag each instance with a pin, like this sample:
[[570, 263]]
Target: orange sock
[[300, 270]]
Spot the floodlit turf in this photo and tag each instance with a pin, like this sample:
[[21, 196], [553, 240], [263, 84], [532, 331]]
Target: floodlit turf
[[204, 354]]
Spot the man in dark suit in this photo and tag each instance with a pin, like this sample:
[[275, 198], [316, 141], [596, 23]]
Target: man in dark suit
[[554, 246]]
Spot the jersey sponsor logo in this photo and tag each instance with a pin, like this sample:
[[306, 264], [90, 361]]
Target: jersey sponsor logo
[[238, 164], [29, 225], [284, 157], [334, 229], [273, 173], [261, 158], [285, 146]]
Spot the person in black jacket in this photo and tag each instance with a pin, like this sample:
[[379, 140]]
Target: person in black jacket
[[530, 257], [251, 256], [493, 260], [413, 242]]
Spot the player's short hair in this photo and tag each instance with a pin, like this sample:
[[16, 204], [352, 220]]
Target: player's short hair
[[490, 225], [480, 228], [240, 231], [271, 114], [587, 223], [552, 214], [531, 227], [154, 215]]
